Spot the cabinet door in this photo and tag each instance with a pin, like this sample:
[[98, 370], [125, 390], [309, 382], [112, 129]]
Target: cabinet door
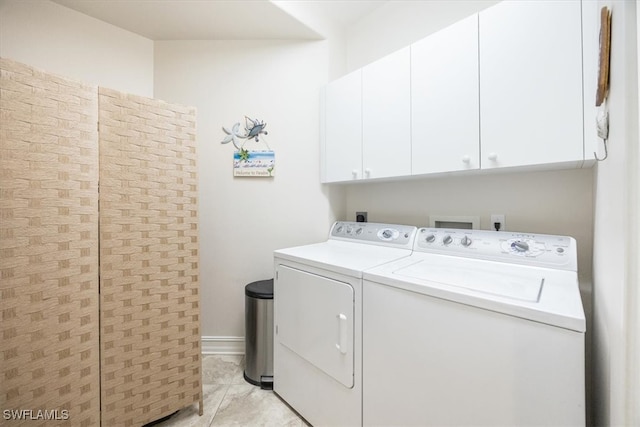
[[531, 83], [444, 100], [343, 129], [386, 116]]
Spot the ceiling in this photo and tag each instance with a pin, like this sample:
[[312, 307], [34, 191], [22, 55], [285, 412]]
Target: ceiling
[[220, 19]]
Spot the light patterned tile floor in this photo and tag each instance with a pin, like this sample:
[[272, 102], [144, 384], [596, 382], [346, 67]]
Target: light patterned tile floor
[[231, 401]]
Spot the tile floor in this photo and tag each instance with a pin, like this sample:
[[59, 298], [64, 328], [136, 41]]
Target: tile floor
[[231, 401]]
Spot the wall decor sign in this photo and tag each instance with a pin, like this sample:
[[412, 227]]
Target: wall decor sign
[[253, 163], [257, 163]]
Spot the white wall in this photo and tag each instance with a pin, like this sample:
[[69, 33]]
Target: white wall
[[549, 202], [616, 193], [242, 220], [634, 298], [59, 40], [398, 23], [317, 16]]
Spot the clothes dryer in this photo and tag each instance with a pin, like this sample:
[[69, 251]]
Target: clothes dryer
[[318, 318]]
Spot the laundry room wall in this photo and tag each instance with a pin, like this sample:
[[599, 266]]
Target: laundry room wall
[[615, 268], [242, 220], [320, 17], [61, 41], [549, 202]]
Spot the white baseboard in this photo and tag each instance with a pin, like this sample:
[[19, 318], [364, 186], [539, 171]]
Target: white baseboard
[[222, 345]]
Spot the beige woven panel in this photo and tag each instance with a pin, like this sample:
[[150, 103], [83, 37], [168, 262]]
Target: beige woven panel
[[150, 315], [49, 351]]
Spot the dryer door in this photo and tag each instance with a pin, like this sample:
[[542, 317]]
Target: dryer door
[[314, 318]]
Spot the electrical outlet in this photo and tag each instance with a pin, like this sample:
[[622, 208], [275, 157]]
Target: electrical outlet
[[361, 217], [498, 222]]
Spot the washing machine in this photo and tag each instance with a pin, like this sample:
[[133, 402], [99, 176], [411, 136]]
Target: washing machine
[[318, 318], [477, 328]]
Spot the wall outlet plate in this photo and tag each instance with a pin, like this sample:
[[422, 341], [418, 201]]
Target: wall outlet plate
[[361, 217], [498, 222]]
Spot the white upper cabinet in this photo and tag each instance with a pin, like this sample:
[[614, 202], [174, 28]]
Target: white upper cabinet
[[444, 100], [500, 89], [386, 116], [531, 83], [343, 129]]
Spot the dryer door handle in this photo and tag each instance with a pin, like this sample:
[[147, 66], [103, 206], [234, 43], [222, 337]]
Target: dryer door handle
[[342, 333]]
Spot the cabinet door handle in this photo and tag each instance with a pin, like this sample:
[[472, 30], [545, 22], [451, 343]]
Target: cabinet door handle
[[342, 333], [367, 172], [466, 159], [354, 173], [493, 156]]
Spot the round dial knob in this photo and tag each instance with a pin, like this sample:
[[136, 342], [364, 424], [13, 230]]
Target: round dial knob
[[465, 241], [520, 246], [387, 234], [349, 230], [447, 239], [339, 229], [431, 238], [359, 231]]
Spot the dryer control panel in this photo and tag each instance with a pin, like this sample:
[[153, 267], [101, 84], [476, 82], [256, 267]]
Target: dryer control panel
[[541, 250], [395, 235]]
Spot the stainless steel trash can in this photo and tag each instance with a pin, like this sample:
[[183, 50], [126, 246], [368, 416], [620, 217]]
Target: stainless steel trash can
[[258, 316]]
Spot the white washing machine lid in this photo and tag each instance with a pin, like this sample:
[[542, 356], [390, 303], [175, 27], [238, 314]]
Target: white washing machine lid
[[342, 257], [481, 278], [544, 295]]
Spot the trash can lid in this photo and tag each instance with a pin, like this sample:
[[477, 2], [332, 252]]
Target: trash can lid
[[262, 289]]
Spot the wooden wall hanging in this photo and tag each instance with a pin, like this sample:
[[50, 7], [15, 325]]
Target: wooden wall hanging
[[604, 58]]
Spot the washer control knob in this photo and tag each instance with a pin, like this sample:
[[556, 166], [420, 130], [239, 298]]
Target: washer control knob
[[387, 234], [465, 241], [520, 246], [431, 238], [349, 230], [339, 229], [359, 231], [447, 239]]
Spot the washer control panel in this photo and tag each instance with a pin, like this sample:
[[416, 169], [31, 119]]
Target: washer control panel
[[522, 248], [374, 233]]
